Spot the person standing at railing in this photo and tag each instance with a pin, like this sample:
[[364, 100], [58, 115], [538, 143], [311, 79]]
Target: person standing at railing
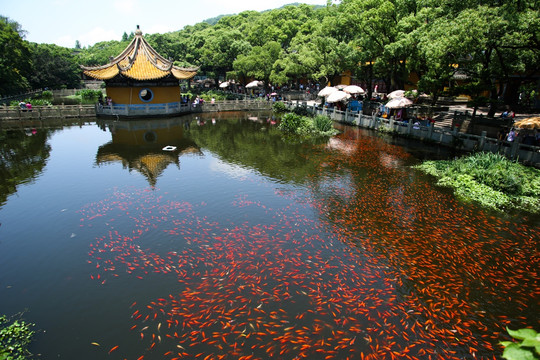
[[511, 135]]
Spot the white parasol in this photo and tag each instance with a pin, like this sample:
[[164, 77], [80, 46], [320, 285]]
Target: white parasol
[[327, 91], [337, 96], [396, 94], [254, 84], [398, 102], [354, 89]]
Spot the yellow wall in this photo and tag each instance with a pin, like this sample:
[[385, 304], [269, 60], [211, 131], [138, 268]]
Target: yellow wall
[[128, 95], [161, 136]]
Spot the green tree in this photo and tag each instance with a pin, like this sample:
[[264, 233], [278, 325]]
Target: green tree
[[318, 56], [488, 43], [54, 67], [259, 62], [220, 49], [100, 53], [15, 59], [280, 25]]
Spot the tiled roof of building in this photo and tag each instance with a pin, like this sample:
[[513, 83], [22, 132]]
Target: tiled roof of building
[[139, 61]]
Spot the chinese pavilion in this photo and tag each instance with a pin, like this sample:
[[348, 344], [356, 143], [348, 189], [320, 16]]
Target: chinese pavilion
[[141, 83]]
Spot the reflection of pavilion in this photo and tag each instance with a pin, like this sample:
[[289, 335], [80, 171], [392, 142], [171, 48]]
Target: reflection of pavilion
[[138, 145]]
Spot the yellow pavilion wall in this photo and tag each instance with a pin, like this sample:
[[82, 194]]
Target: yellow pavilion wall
[[130, 95], [162, 136]]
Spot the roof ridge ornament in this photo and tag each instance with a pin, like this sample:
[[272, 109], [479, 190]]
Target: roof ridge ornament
[[139, 61]]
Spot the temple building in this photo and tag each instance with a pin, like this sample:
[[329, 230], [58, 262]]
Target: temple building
[[141, 83]]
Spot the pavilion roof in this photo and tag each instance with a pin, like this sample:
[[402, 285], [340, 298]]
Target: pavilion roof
[[139, 61]]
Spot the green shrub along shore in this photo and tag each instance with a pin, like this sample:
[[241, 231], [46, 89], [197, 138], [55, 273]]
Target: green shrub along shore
[[490, 180], [300, 123], [15, 337]]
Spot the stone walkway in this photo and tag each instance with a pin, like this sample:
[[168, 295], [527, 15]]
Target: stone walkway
[[444, 119]]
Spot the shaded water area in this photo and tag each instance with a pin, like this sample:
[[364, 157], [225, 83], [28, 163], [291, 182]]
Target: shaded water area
[[242, 244]]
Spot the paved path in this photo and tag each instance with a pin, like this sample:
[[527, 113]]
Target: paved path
[[444, 119]]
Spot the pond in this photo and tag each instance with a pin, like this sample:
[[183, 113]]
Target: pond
[[240, 243]]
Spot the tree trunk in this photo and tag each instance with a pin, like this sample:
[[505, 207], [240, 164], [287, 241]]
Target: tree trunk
[[370, 81], [434, 98], [511, 95], [493, 102]]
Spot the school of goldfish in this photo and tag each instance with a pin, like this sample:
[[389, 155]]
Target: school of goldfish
[[366, 261]]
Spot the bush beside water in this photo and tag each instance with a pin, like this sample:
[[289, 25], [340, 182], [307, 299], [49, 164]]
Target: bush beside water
[[89, 94], [489, 179], [306, 126], [299, 122], [15, 337], [526, 348]]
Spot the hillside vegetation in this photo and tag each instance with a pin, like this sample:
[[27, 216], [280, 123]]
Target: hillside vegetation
[[484, 42]]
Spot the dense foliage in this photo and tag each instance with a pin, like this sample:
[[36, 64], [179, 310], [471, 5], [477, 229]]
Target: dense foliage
[[306, 126], [489, 179], [527, 348], [15, 337], [25, 66], [487, 43], [15, 59], [54, 67]]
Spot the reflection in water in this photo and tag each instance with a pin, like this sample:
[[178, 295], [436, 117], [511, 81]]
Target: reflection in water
[[23, 156], [139, 145], [279, 250]]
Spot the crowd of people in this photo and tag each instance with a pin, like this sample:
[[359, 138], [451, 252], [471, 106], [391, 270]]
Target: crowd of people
[[25, 106], [523, 136]]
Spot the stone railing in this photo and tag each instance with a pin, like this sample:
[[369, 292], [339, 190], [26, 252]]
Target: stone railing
[[515, 150], [144, 110], [117, 110], [47, 112], [236, 105]]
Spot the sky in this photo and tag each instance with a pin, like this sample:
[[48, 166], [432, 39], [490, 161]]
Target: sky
[[63, 22]]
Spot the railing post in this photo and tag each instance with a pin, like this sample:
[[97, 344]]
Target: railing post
[[482, 141], [514, 149]]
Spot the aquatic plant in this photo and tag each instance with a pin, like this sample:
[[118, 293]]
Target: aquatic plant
[[46, 94], [489, 179], [526, 349], [323, 123], [279, 107], [89, 94], [15, 337], [292, 123], [307, 126]]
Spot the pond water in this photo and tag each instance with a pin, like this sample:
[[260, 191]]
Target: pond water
[[243, 244]]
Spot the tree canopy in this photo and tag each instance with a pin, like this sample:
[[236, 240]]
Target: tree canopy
[[15, 61], [493, 45]]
